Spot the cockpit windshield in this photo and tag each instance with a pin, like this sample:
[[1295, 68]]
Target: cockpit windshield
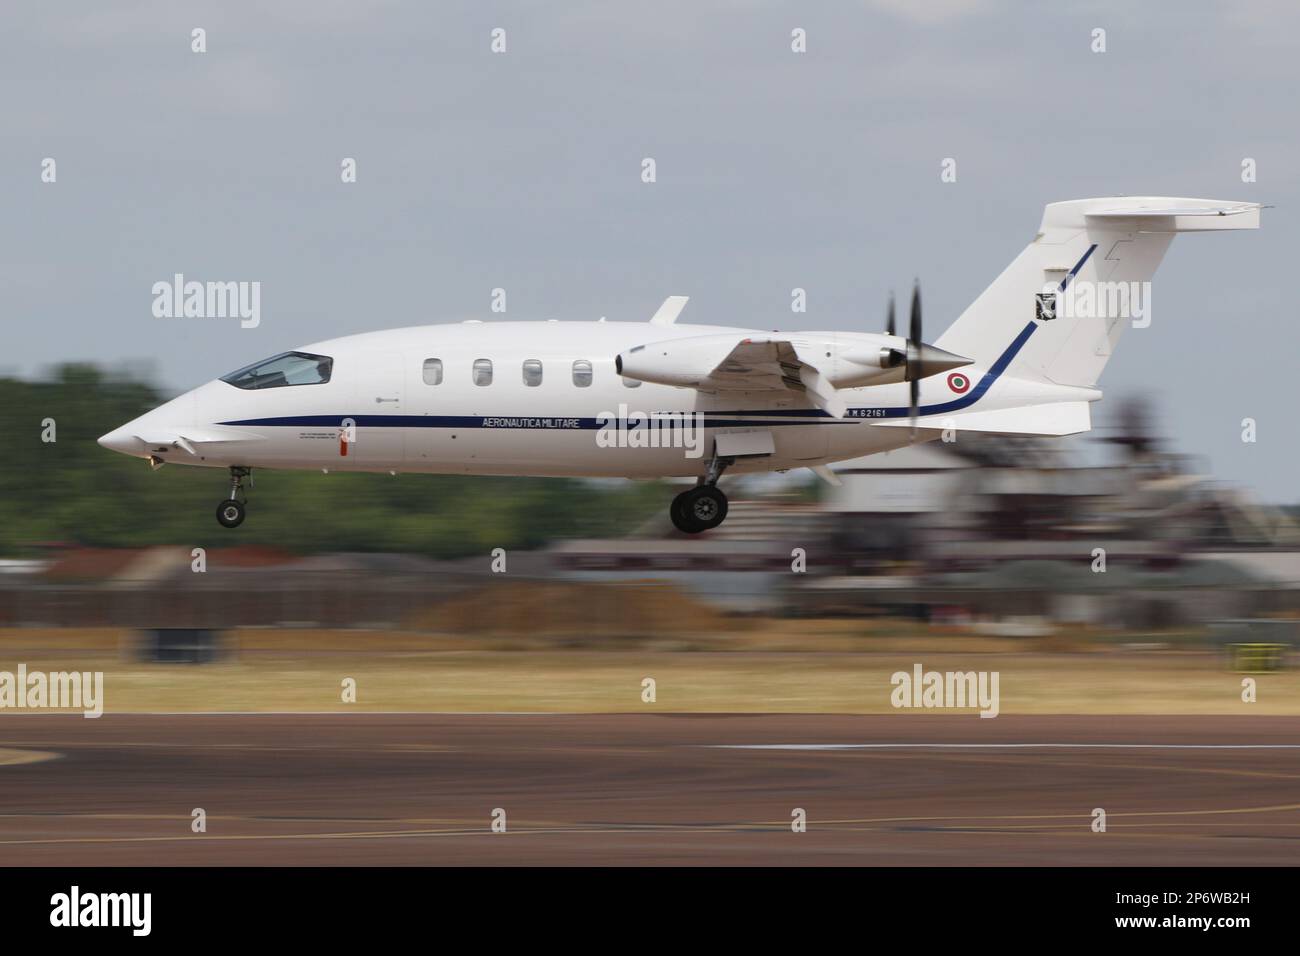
[[287, 368]]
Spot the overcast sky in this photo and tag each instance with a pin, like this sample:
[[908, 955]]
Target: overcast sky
[[522, 171]]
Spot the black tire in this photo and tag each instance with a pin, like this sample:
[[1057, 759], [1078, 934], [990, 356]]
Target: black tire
[[230, 513], [701, 509], [679, 518]]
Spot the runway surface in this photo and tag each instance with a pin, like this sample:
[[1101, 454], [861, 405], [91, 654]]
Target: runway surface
[[653, 789]]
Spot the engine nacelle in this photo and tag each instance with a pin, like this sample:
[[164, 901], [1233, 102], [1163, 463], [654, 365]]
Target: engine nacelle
[[844, 359], [861, 359], [683, 362]]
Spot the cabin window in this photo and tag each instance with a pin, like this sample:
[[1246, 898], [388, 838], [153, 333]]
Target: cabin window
[[532, 372], [287, 368], [433, 371], [482, 371], [582, 373], [632, 383]]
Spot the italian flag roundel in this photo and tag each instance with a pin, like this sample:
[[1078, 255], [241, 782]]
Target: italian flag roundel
[[958, 382]]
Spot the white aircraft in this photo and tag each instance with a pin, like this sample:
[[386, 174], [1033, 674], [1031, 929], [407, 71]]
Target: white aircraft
[[661, 400]]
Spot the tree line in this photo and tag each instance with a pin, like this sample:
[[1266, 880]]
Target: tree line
[[69, 490]]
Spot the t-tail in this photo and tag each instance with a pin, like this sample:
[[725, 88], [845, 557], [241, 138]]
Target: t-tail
[[1051, 321]]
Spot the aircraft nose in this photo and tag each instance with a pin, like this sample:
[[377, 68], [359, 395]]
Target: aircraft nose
[[121, 440]]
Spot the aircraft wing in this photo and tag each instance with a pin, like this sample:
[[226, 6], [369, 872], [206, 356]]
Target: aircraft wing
[[757, 365]]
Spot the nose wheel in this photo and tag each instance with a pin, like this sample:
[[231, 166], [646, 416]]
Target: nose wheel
[[230, 513]]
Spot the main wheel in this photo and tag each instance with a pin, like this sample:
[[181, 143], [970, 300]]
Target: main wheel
[[230, 513], [700, 509], [680, 521]]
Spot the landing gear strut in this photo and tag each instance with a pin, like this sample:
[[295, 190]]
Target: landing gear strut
[[703, 507], [230, 513]]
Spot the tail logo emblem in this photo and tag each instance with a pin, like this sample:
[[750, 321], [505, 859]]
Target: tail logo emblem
[[1044, 306]]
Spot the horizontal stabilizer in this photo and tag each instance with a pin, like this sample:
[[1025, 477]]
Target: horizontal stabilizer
[[1175, 211], [1161, 214]]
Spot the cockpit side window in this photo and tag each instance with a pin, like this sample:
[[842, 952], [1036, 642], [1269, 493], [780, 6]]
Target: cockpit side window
[[287, 368]]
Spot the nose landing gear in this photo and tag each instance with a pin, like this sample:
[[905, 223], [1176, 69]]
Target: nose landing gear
[[703, 507], [230, 513]]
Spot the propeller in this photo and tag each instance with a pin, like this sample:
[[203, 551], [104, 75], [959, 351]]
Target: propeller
[[917, 359], [914, 365]]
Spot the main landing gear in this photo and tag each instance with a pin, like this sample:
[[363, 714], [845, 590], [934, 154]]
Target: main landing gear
[[230, 513], [703, 507]]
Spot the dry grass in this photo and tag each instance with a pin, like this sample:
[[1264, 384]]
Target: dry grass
[[290, 670]]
